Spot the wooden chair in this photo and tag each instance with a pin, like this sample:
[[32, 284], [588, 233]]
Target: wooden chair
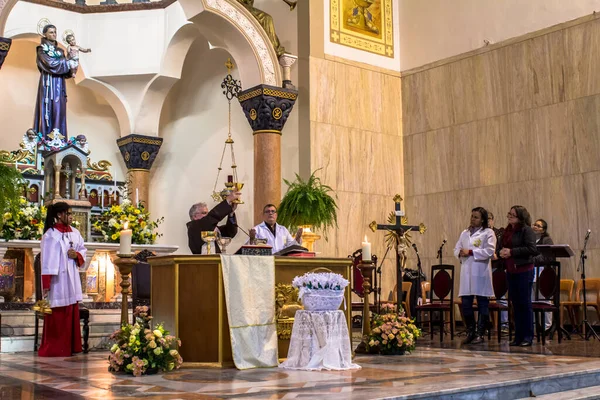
[[547, 299], [500, 283], [84, 313], [567, 287], [592, 288], [357, 286], [441, 297], [406, 287]]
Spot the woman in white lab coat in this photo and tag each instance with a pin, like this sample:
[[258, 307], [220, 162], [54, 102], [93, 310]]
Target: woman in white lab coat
[[475, 250]]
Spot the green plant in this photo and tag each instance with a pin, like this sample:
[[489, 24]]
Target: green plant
[[11, 186], [308, 203]]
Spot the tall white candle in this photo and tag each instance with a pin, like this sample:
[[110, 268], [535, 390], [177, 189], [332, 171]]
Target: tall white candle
[[125, 240], [366, 250], [137, 197]]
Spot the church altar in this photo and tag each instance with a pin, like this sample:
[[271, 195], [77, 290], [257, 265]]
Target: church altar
[[188, 297], [100, 279]]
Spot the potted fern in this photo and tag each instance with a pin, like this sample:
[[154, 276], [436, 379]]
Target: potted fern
[[308, 204]]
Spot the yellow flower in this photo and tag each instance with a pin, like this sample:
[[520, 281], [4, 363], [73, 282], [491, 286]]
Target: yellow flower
[[143, 224], [157, 333], [7, 216], [115, 236], [137, 211]]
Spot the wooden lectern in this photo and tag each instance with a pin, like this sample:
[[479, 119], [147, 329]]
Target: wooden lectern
[[188, 297]]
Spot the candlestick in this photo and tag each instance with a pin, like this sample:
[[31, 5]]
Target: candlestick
[[366, 250], [125, 240]]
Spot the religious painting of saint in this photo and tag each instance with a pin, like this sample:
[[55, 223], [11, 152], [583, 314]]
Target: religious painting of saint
[[364, 25], [92, 278], [7, 277]]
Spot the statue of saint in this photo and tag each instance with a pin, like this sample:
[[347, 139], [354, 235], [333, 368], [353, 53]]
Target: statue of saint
[[51, 105], [266, 21]]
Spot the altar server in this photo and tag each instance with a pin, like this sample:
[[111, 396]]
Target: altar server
[[276, 235], [475, 249], [62, 255]]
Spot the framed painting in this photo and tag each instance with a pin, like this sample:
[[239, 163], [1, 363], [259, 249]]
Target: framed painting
[[364, 25]]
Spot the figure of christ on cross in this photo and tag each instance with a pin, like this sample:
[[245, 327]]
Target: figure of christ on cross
[[398, 237]]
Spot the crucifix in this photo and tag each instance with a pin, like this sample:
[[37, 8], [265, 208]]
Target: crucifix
[[397, 229]]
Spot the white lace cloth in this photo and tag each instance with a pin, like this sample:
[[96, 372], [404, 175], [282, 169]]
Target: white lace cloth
[[320, 340]]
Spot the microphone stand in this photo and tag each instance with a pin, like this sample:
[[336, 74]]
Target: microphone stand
[[587, 327], [418, 318], [378, 272]]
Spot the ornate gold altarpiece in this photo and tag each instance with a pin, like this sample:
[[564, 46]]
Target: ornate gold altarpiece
[[188, 297]]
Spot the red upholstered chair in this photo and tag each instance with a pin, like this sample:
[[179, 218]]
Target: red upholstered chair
[[547, 299], [357, 286], [441, 297], [500, 283]]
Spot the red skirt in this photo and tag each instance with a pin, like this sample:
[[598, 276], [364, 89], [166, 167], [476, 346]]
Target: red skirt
[[62, 332]]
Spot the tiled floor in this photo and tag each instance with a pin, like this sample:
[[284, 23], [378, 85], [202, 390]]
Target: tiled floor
[[431, 369]]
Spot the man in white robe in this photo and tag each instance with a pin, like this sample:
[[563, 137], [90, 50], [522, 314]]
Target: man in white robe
[[277, 236], [62, 254]]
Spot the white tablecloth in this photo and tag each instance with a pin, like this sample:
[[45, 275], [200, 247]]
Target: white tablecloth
[[320, 340]]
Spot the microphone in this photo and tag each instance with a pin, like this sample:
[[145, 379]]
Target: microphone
[[414, 245], [444, 242], [587, 235], [439, 253]]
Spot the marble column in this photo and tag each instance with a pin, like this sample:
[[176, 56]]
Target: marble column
[[267, 109], [139, 153]]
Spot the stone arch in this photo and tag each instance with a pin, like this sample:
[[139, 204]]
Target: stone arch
[[227, 24], [6, 7]]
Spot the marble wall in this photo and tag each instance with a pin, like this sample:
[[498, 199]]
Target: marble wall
[[356, 138], [515, 123]]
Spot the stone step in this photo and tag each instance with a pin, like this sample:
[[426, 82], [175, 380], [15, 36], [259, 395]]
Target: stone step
[[27, 318], [24, 330], [587, 393], [15, 344]]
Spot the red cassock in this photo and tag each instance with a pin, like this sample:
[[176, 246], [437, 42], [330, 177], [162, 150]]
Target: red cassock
[[62, 333]]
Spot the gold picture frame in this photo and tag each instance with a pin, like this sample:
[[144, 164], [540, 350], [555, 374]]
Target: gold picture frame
[[366, 25]]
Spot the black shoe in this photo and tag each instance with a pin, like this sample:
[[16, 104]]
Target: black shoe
[[478, 339], [514, 343], [526, 343]]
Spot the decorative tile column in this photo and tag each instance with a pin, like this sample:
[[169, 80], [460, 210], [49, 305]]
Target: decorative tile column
[[4, 49], [139, 153], [267, 109]]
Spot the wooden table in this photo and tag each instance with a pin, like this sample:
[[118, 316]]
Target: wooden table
[[188, 297]]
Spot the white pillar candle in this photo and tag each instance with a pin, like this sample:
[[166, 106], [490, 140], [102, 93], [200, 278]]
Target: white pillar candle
[[366, 250], [125, 240], [137, 197]]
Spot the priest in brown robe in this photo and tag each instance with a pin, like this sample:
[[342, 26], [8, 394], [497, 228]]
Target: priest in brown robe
[[204, 220]]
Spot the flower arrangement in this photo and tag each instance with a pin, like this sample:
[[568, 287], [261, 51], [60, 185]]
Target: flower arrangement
[[392, 333], [27, 223], [140, 350], [110, 223]]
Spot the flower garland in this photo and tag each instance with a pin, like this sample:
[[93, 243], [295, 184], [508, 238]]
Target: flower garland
[[141, 350], [391, 333], [312, 281], [110, 223]]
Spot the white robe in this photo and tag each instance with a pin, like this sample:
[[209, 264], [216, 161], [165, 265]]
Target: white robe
[[280, 241], [476, 270], [65, 285]]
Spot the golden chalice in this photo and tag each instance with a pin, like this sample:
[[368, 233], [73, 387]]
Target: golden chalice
[[237, 187], [208, 237]]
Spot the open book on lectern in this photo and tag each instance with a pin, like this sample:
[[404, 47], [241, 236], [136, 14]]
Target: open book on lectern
[[557, 250]]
